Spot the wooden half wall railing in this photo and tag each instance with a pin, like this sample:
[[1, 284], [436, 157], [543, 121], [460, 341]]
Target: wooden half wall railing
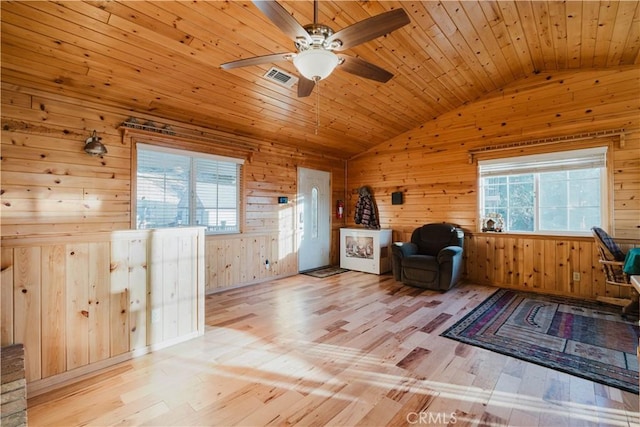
[[82, 303]]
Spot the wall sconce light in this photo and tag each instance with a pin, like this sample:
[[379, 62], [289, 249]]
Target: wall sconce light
[[93, 146]]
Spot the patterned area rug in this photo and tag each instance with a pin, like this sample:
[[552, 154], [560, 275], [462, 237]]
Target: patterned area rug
[[324, 271], [582, 338]]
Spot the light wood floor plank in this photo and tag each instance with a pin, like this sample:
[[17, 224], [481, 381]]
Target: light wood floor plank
[[351, 349]]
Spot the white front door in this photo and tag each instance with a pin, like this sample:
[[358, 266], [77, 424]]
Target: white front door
[[314, 218]]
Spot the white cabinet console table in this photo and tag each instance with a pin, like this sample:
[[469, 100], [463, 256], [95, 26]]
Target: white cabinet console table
[[365, 250]]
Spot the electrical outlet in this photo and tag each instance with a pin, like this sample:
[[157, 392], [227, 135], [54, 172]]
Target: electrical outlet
[[267, 265], [576, 276]]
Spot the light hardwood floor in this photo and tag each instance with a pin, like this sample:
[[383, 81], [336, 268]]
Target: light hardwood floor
[[351, 349]]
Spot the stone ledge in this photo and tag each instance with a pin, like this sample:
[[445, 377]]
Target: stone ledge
[[13, 400]]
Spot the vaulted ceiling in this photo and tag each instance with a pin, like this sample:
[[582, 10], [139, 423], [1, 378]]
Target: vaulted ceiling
[[163, 58]]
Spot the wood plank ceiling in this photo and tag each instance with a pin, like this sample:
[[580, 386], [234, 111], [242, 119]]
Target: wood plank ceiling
[[163, 57]]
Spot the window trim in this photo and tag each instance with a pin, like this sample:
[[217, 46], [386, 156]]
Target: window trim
[[144, 143], [607, 183]]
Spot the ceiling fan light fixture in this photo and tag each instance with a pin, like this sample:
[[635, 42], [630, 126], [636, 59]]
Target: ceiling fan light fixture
[[316, 63]]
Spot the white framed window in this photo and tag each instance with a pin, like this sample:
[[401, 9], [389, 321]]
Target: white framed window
[[182, 188], [553, 193]]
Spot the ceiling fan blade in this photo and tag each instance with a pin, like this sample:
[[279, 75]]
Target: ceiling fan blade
[[257, 60], [305, 87], [283, 20], [370, 29], [365, 69]]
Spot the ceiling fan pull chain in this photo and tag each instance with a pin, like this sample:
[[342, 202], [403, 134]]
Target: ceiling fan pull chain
[[317, 105]]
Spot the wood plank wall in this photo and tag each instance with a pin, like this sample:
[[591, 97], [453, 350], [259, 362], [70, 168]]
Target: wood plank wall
[[50, 186], [80, 303], [430, 166]]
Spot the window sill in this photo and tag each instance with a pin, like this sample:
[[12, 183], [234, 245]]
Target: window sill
[[529, 235]]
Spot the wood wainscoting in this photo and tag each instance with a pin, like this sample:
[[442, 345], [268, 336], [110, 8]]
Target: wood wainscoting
[[234, 260], [543, 264], [81, 303]]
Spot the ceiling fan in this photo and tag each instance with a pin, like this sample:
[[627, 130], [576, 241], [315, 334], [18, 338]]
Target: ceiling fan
[[316, 43]]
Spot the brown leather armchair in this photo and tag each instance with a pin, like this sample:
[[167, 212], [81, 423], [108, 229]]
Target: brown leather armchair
[[433, 258]]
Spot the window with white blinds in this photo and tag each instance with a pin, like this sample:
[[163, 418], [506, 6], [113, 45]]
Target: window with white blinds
[[561, 192], [181, 188]]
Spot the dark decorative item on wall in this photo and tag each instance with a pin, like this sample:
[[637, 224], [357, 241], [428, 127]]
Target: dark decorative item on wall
[[396, 198], [93, 146], [283, 199]]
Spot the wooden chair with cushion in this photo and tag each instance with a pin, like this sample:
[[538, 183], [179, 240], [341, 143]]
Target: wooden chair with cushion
[[612, 259]]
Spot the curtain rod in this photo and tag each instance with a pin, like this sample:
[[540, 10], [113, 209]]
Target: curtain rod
[[548, 141]]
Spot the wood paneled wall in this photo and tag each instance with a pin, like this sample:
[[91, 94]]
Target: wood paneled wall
[[50, 186], [430, 165], [80, 303], [538, 263]]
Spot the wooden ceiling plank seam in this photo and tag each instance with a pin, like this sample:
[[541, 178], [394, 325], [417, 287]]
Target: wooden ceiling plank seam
[[460, 73], [511, 17], [501, 34], [36, 59], [397, 90], [607, 15], [464, 56], [85, 41], [484, 29], [420, 19], [118, 22], [474, 42], [632, 46], [590, 16], [558, 30], [161, 23], [249, 24], [540, 11], [431, 64], [530, 32], [247, 42], [40, 45], [418, 80], [63, 58], [89, 9], [574, 23], [624, 21]]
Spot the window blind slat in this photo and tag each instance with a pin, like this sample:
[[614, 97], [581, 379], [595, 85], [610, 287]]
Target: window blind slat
[[177, 187]]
